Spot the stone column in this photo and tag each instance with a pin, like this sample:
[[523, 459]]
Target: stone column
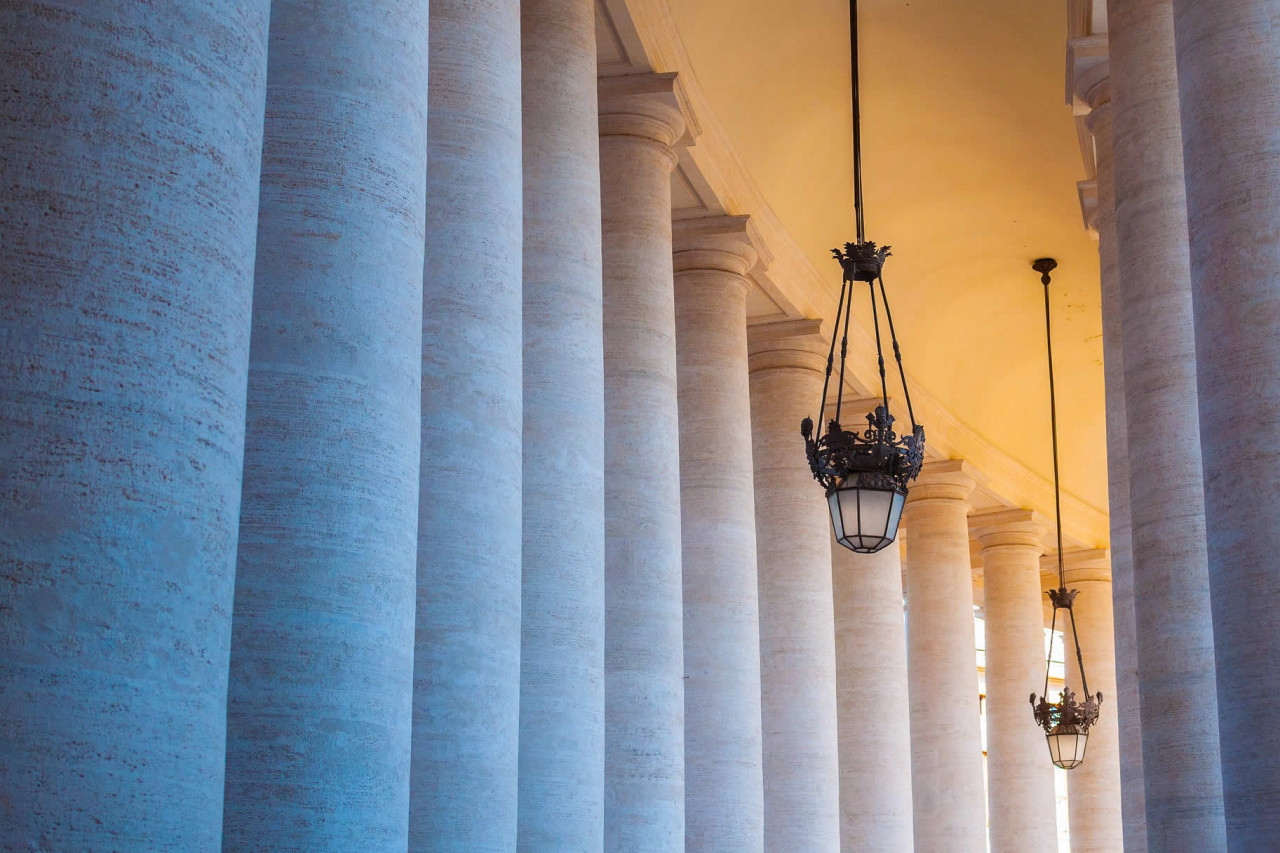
[[1227, 60], [1093, 788], [131, 147], [871, 673], [641, 119], [319, 709], [561, 803], [724, 798], [942, 664], [1020, 793], [1166, 496], [797, 621], [1124, 704], [463, 785]]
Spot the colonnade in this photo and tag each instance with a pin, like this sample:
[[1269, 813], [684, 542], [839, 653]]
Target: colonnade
[[374, 481], [1185, 116]]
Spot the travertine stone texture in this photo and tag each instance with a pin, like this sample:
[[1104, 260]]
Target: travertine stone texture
[[463, 787], [1166, 497], [724, 799], [319, 708], [871, 673], [640, 122], [131, 138], [1228, 55], [561, 806], [1093, 788], [797, 619], [942, 664], [1019, 773], [1098, 832]]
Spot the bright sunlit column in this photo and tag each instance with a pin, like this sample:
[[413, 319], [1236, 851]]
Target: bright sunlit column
[[1019, 770], [797, 625], [871, 672], [942, 664], [1093, 788]]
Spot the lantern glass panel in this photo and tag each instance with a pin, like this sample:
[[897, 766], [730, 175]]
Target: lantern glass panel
[[1067, 750], [865, 520]]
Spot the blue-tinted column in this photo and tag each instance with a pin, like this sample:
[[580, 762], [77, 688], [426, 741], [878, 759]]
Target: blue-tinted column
[[640, 122], [322, 641], [467, 652], [562, 660], [131, 136]]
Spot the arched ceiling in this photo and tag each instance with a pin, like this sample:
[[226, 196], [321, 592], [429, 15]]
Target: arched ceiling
[[970, 166]]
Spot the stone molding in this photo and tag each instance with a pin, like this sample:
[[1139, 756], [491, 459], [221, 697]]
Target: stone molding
[[1093, 564], [788, 345]]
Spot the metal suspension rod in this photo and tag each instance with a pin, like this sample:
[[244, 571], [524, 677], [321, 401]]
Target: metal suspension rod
[[844, 349], [857, 120], [1044, 267], [826, 383], [875, 321]]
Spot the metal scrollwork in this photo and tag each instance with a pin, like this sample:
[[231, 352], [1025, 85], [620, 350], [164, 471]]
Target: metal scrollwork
[[878, 457]]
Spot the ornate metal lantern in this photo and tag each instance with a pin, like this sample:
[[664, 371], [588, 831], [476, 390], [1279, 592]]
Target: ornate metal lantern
[[1066, 722], [865, 473]]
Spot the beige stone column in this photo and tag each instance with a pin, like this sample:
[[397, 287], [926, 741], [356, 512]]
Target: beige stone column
[[724, 799], [1228, 58], [942, 664], [1093, 788], [1020, 792], [640, 121], [1166, 492], [797, 625], [1124, 705], [871, 673], [561, 798]]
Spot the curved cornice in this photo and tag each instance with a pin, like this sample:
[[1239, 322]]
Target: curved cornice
[[803, 292]]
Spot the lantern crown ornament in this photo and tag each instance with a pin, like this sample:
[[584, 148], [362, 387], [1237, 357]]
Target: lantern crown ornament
[[865, 472], [1066, 723]]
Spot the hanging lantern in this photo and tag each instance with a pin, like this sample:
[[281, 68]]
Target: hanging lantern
[[865, 473], [1066, 722]]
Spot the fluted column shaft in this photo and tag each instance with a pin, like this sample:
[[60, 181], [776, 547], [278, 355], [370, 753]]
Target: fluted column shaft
[[797, 622], [1227, 60], [640, 122], [463, 786], [319, 709], [942, 665], [1019, 774], [561, 804], [1166, 494], [131, 139], [724, 799], [871, 672], [1093, 788], [1125, 705]]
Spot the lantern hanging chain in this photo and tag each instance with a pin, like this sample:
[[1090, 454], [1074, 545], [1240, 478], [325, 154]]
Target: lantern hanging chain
[[857, 120], [844, 347], [875, 321], [897, 354], [826, 383]]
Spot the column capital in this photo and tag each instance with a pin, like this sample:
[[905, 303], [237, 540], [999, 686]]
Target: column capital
[[722, 243], [651, 106], [1081, 565], [1010, 528], [1088, 73], [789, 344], [945, 480]]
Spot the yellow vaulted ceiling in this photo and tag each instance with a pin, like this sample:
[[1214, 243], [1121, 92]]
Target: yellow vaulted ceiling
[[970, 169]]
